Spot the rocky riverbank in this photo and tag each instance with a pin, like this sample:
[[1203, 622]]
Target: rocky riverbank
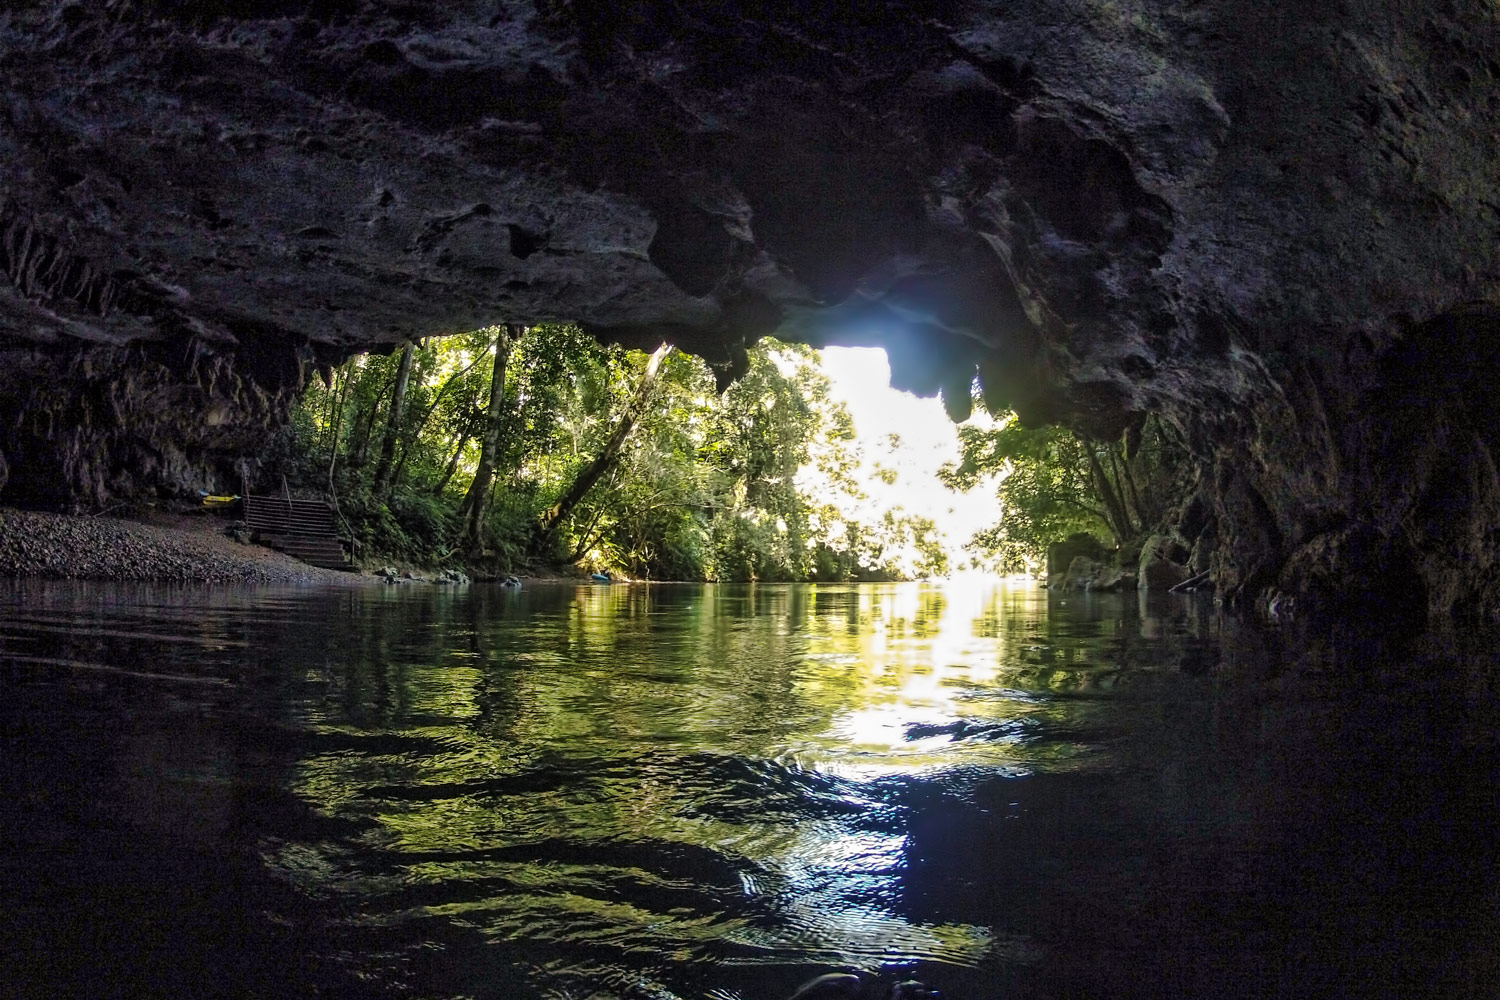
[[158, 548]]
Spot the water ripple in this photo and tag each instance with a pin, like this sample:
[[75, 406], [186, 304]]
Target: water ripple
[[678, 793]]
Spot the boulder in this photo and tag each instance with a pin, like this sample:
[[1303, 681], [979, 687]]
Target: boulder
[[1163, 563], [1085, 574], [1060, 555]]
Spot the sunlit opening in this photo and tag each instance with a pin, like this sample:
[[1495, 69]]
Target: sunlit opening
[[903, 440]]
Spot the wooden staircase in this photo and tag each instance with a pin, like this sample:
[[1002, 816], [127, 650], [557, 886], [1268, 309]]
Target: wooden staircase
[[303, 529]]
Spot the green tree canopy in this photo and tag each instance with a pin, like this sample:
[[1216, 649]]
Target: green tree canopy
[[595, 454], [1053, 482]]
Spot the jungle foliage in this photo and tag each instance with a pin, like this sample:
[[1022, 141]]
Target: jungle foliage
[[1054, 482], [511, 448]]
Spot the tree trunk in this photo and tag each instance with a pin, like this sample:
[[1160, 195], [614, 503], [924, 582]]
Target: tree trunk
[[608, 454], [338, 420], [1118, 484], [414, 432], [438, 398], [442, 484], [1143, 517], [333, 398], [477, 499], [586, 539], [393, 420], [400, 470], [1119, 519], [364, 429]]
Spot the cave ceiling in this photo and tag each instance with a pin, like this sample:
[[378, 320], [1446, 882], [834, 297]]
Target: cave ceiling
[[1080, 190]]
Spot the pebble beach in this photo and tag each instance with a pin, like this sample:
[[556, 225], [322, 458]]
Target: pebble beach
[[160, 548]]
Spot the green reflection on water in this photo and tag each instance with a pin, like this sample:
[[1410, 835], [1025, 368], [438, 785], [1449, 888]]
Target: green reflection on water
[[743, 724], [567, 791], [610, 781]]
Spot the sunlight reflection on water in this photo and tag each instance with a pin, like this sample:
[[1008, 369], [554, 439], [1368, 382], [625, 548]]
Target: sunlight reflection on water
[[567, 790]]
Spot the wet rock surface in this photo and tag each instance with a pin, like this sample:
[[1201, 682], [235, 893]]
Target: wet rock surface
[[1163, 563], [1276, 226], [1060, 555], [1098, 577]]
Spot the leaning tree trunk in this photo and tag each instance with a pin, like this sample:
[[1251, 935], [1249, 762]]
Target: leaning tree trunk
[[364, 429], [452, 466], [415, 430], [610, 453], [476, 501], [393, 420], [338, 422], [1131, 493], [1119, 518]]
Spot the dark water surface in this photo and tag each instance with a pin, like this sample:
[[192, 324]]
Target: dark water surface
[[719, 792]]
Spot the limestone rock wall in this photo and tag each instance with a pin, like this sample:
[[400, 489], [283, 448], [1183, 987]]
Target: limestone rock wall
[[1275, 224], [87, 424]]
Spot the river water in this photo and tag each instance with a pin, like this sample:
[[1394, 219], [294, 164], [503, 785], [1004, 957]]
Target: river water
[[721, 791]]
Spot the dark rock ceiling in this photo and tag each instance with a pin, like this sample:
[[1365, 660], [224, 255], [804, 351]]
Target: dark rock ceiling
[[1274, 224]]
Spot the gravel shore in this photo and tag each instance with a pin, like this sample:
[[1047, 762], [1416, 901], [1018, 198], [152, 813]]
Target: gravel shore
[[161, 548]]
